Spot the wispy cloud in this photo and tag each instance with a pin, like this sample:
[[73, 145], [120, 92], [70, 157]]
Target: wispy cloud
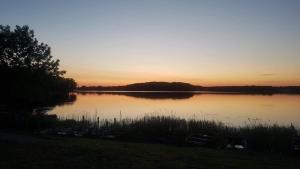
[[268, 74]]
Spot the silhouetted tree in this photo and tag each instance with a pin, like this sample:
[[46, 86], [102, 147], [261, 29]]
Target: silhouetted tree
[[29, 74]]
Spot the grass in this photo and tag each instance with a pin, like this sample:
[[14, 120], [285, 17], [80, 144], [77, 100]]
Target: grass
[[49, 152], [173, 130], [168, 130]]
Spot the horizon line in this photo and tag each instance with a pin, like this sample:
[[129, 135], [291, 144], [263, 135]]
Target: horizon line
[[248, 85]]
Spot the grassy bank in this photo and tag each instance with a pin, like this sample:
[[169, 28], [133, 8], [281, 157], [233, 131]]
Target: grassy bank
[[167, 130], [23, 151], [177, 131]]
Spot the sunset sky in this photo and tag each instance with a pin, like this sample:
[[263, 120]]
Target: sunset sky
[[225, 42]]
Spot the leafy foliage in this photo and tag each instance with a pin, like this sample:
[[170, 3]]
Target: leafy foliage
[[30, 76]]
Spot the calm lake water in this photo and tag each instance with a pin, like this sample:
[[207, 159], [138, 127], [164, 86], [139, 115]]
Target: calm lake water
[[232, 109]]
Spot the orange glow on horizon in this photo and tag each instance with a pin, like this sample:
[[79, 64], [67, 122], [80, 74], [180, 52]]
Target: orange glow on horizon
[[118, 80], [94, 77]]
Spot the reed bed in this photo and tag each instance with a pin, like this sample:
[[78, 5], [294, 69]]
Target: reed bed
[[174, 130]]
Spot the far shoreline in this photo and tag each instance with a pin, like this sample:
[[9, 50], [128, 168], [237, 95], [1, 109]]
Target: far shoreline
[[180, 87]]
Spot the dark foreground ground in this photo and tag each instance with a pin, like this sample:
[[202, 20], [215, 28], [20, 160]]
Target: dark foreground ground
[[25, 151]]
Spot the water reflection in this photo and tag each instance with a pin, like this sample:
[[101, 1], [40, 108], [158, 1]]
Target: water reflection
[[234, 109], [66, 100]]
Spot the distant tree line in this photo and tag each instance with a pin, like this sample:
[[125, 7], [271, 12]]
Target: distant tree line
[[179, 86], [29, 74], [147, 86]]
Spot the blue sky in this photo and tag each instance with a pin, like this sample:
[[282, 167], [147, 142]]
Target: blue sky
[[202, 42]]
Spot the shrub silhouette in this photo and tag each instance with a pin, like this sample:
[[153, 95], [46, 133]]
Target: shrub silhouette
[[29, 74]]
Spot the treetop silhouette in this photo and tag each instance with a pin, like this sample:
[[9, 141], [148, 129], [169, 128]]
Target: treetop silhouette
[[29, 74]]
